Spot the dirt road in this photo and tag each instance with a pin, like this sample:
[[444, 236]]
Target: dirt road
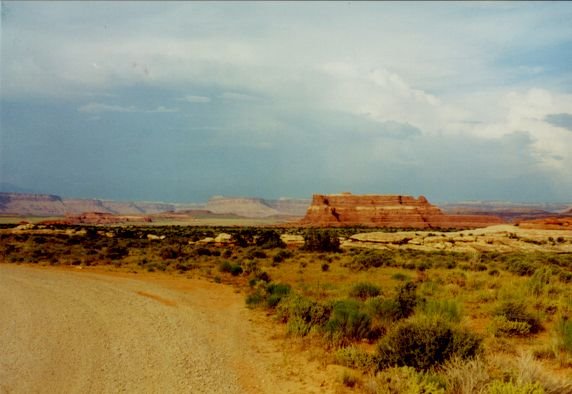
[[79, 332]]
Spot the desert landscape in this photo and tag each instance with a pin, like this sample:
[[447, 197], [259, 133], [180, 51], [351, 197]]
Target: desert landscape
[[335, 197], [317, 303]]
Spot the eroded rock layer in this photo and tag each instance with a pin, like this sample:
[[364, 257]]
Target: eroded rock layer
[[398, 211]]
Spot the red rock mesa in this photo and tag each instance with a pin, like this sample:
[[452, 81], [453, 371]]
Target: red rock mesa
[[374, 210]]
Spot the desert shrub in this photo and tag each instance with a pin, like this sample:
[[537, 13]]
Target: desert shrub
[[354, 357], [321, 241], [241, 239], [406, 299], [276, 291], [281, 256], [402, 380], [225, 266], [254, 299], [447, 309], [250, 267], [500, 387], [364, 290], [385, 310], [425, 342], [261, 276], [349, 379], [565, 277], [169, 253], [465, 376], [325, 267], [269, 239], [520, 266], [256, 254], [539, 280], [494, 272], [401, 277], [203, 251], [516, 312], [501, 326], [235, 270], [563, 334], [116, 252], [370, 259], [302, 314], [348, 322], [183, 267]]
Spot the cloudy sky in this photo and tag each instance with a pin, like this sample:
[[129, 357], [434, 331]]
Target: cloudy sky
[[179, 101]]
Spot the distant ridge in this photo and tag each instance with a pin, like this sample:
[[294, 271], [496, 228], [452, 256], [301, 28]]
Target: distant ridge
[[45, 205]]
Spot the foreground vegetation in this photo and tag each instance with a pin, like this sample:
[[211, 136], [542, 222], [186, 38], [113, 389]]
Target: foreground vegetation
[[399, 321]]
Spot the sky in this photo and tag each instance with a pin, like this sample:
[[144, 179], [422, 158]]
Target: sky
[[179, 101]]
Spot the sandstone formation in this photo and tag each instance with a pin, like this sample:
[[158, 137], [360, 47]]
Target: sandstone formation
[[397, 211], [498, 238], [554, 223], [96, 218]]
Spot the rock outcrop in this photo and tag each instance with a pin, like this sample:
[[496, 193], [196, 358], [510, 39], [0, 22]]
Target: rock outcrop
[[396, 211], [97, 218], [554, 223]]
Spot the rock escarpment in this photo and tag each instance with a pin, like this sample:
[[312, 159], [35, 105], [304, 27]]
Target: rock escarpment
[[398, 211]]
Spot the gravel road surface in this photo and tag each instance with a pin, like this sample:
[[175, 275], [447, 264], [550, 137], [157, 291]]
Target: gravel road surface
[[82, 332]]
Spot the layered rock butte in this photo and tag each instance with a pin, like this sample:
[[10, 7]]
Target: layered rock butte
[[398, 211]]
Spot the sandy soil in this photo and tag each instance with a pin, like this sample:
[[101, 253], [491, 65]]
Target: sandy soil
[[83, 332]]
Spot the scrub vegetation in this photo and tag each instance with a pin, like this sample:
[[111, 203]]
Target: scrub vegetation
[[395, 320]]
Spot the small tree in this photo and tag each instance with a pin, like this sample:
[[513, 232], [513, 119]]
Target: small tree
[[269, 239], [321, 241]]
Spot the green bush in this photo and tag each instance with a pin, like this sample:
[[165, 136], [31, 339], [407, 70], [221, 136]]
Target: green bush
[[281, 256], [401, 277], [321, 241], [354, 357], [406, 299], [225, 266], [235, 270], [302, 313], [499, 387], [425, 342], [501, 326], [447, 309], [563, 331], [382, 309], [371, 259], [404, 380], [364, 290], [520, 265], [256, 254], [276, 292], [348, 322], [539, 281], [254, 299], [515, 311]]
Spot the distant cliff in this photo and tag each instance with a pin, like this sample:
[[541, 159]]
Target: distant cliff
[[257, 207], [50, 205]]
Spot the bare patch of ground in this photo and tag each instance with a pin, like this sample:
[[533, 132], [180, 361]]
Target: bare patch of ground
[[79, 331]]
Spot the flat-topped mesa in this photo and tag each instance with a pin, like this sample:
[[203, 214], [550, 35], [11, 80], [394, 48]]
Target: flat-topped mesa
[[375, 210]]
